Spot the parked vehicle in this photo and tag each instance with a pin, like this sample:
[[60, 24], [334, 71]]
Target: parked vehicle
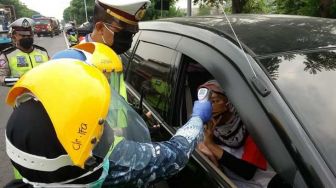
[[7, 16], [47, 26], [284, 92]]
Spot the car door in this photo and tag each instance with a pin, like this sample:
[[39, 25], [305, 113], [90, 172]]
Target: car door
[[151, 77], [228, 65], [268, 117]]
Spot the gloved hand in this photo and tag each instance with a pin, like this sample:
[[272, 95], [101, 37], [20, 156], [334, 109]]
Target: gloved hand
[[203, 110]]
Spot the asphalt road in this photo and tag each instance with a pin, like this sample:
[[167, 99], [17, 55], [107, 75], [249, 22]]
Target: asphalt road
[[53, 45]]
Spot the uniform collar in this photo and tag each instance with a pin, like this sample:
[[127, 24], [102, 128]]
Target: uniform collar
[[88, 38]]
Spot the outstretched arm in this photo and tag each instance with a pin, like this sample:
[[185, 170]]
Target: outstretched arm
[[144, 163]]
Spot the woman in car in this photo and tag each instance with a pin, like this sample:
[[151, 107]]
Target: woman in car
[[228, 144]]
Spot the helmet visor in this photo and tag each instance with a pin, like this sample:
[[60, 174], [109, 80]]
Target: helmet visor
[[105, 144], [125, 121]]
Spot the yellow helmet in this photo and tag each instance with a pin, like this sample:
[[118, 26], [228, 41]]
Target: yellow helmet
[[76, 97], [103, 57]]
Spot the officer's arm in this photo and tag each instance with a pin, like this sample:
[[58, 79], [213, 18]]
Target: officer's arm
[[4, 69], [142, 163]]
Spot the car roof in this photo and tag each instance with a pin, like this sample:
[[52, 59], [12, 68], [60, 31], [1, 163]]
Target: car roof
[[264, 34]]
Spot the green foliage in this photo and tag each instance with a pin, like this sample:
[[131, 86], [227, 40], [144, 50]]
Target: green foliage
[[76, 11], [257, 6], [204, 10], [21, 10], [249, 6], [152, 13], [306, 7]]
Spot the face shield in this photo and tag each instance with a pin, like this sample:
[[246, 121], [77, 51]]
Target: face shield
[[124, 122]]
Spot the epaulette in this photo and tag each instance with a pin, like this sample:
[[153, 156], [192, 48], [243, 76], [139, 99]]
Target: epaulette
[[8, 50], [39, 47]]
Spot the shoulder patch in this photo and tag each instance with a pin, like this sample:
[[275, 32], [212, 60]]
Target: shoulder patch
[[2, 63], [40, 48]]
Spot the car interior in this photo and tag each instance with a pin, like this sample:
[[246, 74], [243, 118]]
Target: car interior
[[149, 76], [195, 75]]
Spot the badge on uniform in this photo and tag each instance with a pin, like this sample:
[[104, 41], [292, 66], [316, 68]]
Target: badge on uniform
[[21, 61], [2, 63], [38, 59]]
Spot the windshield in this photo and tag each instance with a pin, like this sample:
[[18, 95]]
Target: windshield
[[307, 82], [42, 22]]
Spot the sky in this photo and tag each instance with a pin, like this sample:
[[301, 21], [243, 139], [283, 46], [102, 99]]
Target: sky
[[54, 8]]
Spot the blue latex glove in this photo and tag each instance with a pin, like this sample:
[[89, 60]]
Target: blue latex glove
[[203, 110]]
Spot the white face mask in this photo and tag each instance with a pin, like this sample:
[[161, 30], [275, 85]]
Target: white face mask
[[103, 35]]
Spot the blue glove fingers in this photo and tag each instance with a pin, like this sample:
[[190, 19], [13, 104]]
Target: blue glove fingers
[[203, 110]]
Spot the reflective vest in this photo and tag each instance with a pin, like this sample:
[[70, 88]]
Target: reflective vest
[[117, 83], [20, 62]]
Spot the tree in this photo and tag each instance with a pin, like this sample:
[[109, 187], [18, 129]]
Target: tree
[[204, 10], [239, 6], [76, 11], [21, 10], [320, 8], [153, 13], [325, 8]]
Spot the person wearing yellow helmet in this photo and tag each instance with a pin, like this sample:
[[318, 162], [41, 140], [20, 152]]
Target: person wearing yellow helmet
[[57, 135], [108, 62]]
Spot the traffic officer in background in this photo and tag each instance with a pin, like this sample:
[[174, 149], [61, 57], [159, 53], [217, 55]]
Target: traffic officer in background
[[23, 55]]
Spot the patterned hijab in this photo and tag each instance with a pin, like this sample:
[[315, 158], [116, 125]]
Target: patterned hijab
[[229, 131]]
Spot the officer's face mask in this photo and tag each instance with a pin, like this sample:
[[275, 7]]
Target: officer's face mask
[[26, 43], [106, 42], [122, 41]]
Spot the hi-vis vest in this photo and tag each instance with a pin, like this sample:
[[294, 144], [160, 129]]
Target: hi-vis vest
[[20, 62]]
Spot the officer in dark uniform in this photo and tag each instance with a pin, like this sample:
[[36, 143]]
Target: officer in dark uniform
[[115, 22], [23, 55]]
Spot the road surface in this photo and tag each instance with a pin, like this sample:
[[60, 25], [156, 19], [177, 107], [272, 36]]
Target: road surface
[[53, 45]]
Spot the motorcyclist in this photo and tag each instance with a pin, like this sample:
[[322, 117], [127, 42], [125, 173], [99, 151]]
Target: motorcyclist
[[72, 34], [23, 55], [58, 137]]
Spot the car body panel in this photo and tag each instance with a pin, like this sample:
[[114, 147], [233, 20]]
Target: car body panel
[[269, 117]]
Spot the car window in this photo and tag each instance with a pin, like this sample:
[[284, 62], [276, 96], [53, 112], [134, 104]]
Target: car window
[[149, 75], [307, 80], [194, 75]]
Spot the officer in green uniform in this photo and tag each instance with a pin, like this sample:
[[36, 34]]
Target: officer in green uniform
[[23, 55]]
